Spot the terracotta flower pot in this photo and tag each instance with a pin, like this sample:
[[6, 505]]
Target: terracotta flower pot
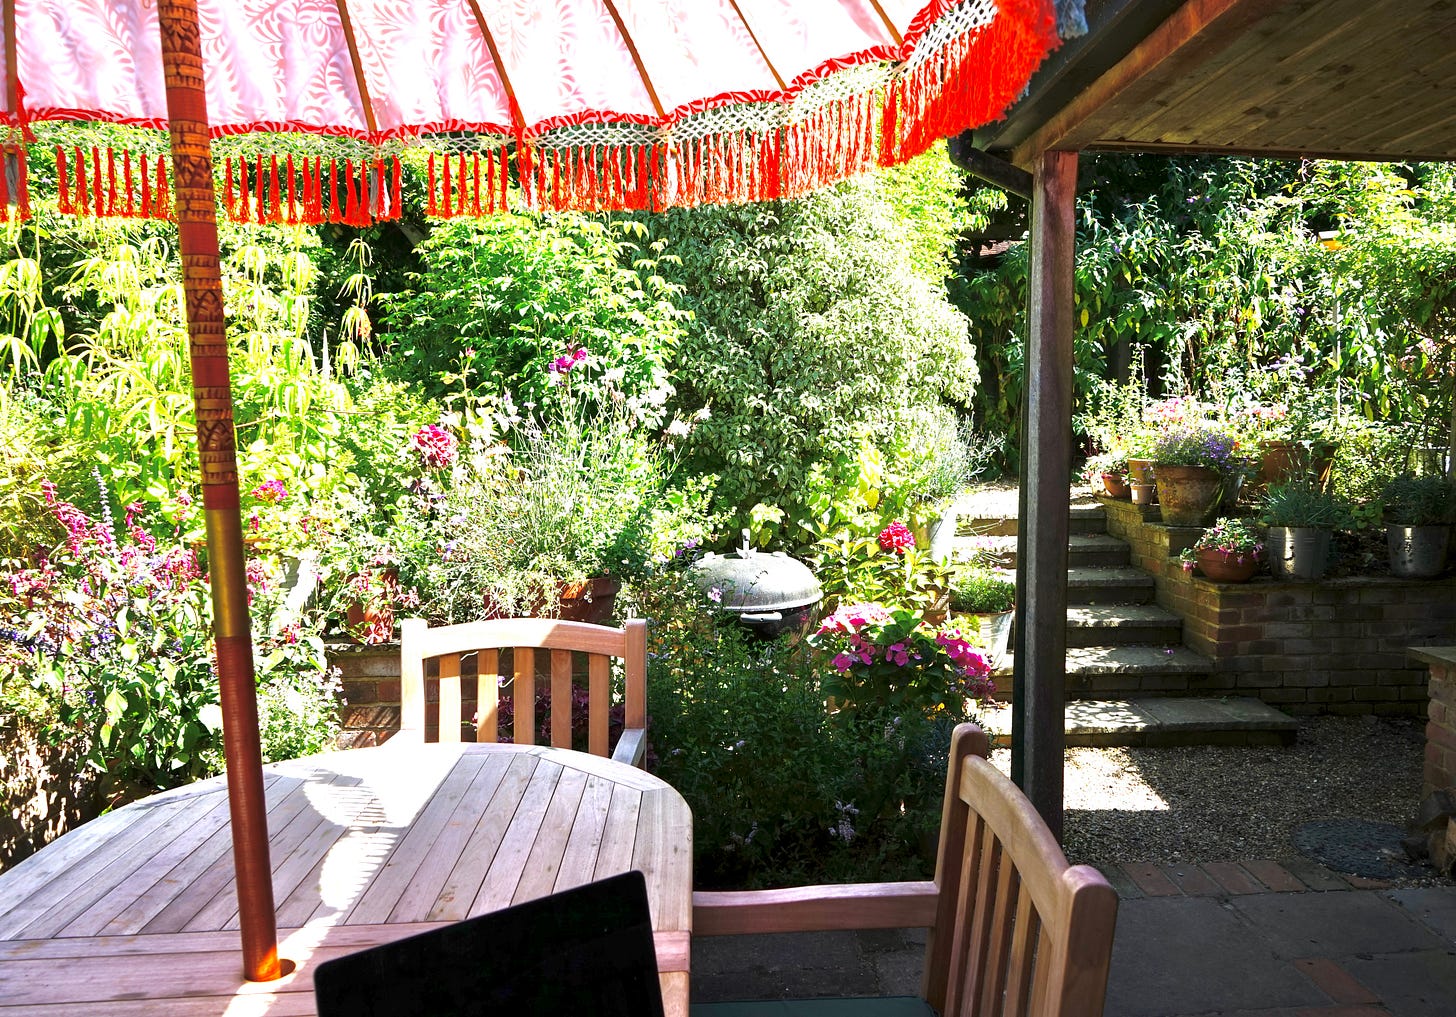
[[1140, 471], [1226, 568], [1143, 494], [1283, 461], [590, 601], [1116, 485], [1189, 495]]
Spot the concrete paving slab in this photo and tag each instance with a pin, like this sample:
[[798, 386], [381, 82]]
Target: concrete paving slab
[[1333, 924], [1419, 984], [780, 966], [1236, 713], [1434, 907], [898, 974], [1191, 955]]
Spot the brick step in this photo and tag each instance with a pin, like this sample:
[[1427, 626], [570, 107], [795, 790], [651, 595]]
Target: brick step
[[1104, 584], [1162, 722], [1083, 549], [1111, 672], [993, 514], [1091, 625], [1099, 584]]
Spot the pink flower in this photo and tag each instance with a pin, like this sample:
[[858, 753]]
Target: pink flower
[[897, 655], [437, 447], [270, 492], [564, 362], [897, 538]]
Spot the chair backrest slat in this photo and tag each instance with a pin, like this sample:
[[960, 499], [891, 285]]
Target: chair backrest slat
[[998, 949], [487, 696], [524, 637], [1030, 935], [599, 679], [450, 697], [1019, 964], [523, 695], [561, 699]]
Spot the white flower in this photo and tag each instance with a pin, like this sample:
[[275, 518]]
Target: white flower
[[678, 428], [702, 414]]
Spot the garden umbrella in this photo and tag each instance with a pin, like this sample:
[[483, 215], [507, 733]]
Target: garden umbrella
[[556, 104]]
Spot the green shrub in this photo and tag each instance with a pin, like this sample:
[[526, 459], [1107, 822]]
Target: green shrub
[[816, 324], [499, 299], [782, 793], [1411, 500]]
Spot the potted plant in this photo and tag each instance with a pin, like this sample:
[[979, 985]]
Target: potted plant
[[1301, 519], [1106, 473], [948, 455], [1193, 464], [1228, 551], [549, 527], [981, 592], [1418, 514]]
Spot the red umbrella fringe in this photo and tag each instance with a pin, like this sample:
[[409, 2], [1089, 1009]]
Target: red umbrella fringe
[[96, 182], [16, 152], [968, 82], [284, 190]]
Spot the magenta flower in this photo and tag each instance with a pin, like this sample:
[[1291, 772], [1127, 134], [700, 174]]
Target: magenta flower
[[270, 492], [897, 538], [564, 362], [436, 447]]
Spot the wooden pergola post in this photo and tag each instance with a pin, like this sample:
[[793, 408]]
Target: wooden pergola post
[[1039, 679]]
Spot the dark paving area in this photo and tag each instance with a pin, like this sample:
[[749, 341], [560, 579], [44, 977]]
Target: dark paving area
[[1250, 939]]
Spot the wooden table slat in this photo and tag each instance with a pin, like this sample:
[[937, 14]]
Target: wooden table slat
[[505, 869], [544, 861], [399, 869], [364, 845], [579, 861], [446, 851], [199, 884], [454, 900], [64, 896]]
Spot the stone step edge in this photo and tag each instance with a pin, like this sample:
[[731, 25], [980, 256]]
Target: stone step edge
[[1173, 720], [1160, 660]]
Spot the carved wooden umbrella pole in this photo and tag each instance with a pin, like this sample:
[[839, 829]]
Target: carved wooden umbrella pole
[[196, 214]]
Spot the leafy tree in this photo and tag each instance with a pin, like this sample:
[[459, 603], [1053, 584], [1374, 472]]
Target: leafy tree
[[817, 323]]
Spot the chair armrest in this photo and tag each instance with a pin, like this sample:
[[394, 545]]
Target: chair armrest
[[815, 908], [631, 747]]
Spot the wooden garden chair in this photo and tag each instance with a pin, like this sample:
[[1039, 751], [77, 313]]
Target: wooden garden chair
[[1014, 929], [524, 636]]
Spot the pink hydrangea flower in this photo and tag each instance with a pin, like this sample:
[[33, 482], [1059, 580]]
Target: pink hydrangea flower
[[897, 538]]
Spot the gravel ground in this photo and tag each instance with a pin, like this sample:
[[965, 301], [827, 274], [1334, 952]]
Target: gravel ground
[[1216, 803]]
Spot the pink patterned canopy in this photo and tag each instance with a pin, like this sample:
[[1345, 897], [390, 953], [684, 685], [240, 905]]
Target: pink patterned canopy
[[578, 103]]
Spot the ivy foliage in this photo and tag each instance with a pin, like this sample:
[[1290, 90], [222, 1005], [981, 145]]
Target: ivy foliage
[[817, 323]]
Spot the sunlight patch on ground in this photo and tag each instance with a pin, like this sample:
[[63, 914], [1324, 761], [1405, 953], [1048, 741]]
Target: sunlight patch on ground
[[1104, 779]]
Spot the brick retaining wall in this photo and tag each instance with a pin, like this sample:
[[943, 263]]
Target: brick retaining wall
[[1440, 769], [371, 692], [1333, 646]]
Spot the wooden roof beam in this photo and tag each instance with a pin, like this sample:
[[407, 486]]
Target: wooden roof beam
[[1197, 31]]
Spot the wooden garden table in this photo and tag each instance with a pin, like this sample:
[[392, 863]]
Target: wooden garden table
[[135, 913]]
